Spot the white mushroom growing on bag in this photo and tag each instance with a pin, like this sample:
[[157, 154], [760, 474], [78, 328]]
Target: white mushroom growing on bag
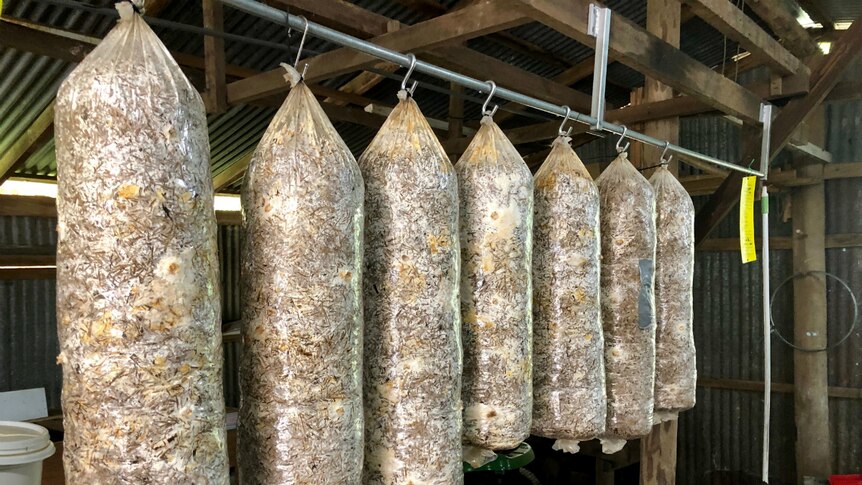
[[412, 322], [628, 311], [675, 366], [301, 377], [496, 197], [568, 356], [138, 313]]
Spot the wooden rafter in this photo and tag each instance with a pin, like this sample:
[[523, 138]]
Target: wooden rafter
[[780, 15], [474, 21], [645, 52], [823, 78], [215, 97], [731, 21]]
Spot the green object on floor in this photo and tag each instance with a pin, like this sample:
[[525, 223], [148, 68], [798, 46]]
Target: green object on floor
[[508, 460]]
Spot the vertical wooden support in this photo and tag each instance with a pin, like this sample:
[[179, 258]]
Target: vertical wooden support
[[810, 372], [456, 116], [658, 449], [215, 97]]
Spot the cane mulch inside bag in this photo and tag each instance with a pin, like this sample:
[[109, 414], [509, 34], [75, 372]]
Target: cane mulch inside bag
[[301, 377], [628, 309], [496, 196], [675, 367], [568, 361], [138, 312], [412, 321]]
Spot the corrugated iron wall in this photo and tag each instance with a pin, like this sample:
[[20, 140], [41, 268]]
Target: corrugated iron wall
[[719, 440]]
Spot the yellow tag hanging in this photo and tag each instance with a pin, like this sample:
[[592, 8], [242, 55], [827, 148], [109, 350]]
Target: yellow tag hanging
[[746, 220]]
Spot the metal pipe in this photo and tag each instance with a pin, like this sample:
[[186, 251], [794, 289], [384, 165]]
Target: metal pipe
[[767, 333], [280, 17]]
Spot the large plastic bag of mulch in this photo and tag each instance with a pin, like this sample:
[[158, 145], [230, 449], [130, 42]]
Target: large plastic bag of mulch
[[568, 356], [300, 417], [138, 310], [412, 321], [675, 367], [628, 309], [496, 196]]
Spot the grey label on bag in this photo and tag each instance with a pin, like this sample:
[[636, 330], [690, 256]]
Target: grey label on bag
[[646, 309]]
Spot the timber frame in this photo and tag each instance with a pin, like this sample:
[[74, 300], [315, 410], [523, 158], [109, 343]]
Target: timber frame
[[676, 86]]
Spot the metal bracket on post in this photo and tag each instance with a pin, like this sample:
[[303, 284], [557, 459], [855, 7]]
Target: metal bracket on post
[[599, 27], [766, 119]]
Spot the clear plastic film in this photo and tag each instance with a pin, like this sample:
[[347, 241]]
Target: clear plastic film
[[412, 319], [300, 417], [675, 366], [568, 364], [628, 309], [496, 196], [138, 311]]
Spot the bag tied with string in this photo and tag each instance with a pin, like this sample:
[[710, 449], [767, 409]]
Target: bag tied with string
[[412, 319], [628, 309], [138, 312], [568, 364], [675, 367], [496, 197], [300, 418]]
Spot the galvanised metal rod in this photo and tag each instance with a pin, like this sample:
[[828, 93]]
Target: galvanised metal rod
[[280, 17]]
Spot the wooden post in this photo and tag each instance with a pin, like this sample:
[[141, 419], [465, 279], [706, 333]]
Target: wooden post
[[658, 449], [810, 372], [215, 97]]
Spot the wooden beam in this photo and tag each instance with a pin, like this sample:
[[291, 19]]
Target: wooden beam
[[642, 51], [846, 90], [153, 8], [34, 137], [707, 184], [215, 97], [338, 14], [37, 206], [474, 21], [731, 21], [823, 79], [233, 172], [777, 387], [481, 66], [781, 18], [833, 241]]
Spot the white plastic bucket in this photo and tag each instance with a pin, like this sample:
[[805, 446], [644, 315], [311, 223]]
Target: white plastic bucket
[[23, 446]]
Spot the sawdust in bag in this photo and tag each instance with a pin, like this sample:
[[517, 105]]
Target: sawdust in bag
[[138, 310], [412, 320], [568, 362], [628, 310], [675, 367], [496, 196], [300, 416]]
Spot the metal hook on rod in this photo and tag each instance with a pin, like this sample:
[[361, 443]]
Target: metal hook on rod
[[620, 148], [301, 45], [562, 132], [412, 58], [662, 160], [492, 89]]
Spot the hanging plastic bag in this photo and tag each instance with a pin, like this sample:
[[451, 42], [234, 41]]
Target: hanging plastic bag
[[138, 310], [496, 196], [628, 310], [301, 376], [568, 360], [412, 320], [675, 366]]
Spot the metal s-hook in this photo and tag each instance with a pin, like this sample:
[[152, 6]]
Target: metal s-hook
[[563, 124], [412, 58], [491, 91], [301, 45], [662, 160], [620, 148]]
